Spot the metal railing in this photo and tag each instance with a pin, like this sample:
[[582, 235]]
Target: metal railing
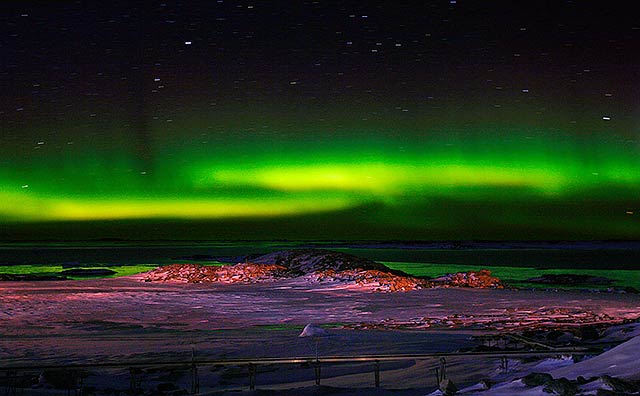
[[13, 373]]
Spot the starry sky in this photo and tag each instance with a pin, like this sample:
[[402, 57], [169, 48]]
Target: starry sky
[[319, 120]]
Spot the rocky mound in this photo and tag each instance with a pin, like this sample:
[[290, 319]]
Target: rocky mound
[[315, 265], [195, 273], [327, 266], [309, 261], [252, 273], [479, 279], [376, 279]]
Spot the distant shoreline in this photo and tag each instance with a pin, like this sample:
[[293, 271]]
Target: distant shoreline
[[372, 244]]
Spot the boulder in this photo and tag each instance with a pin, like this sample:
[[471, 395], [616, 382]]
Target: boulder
[[619, 385], [561, 387], [588, 333], [537, 379], [486, 384]]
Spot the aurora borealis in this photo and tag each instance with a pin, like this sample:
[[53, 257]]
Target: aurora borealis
[[242, 120]]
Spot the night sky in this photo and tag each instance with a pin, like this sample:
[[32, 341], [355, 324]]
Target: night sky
[[319, 120]]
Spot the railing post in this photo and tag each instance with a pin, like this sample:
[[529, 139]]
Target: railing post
[[195, 380], [80, 386], [443, 369], [252, 376], [504, 364], [134, 382], [11, 386], [317, 371], [377, 373]]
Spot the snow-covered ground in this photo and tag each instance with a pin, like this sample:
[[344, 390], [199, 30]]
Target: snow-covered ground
[[127, 319], [621, 362]]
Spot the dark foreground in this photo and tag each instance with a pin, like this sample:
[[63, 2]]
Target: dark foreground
[[125, 319]]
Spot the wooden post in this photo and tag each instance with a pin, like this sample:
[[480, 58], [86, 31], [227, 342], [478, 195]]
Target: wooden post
[[377, 373]]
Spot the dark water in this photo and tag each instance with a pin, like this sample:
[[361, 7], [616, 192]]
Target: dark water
[[580, 255]]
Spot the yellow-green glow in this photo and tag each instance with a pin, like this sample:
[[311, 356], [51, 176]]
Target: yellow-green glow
[[26, 207], [373, 177], [385, 178]]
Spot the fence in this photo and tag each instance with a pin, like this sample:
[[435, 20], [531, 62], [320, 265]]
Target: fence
[[14, 376]]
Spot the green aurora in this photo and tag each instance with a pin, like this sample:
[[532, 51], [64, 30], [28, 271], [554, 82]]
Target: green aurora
[[314, 120], [370, 183]]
